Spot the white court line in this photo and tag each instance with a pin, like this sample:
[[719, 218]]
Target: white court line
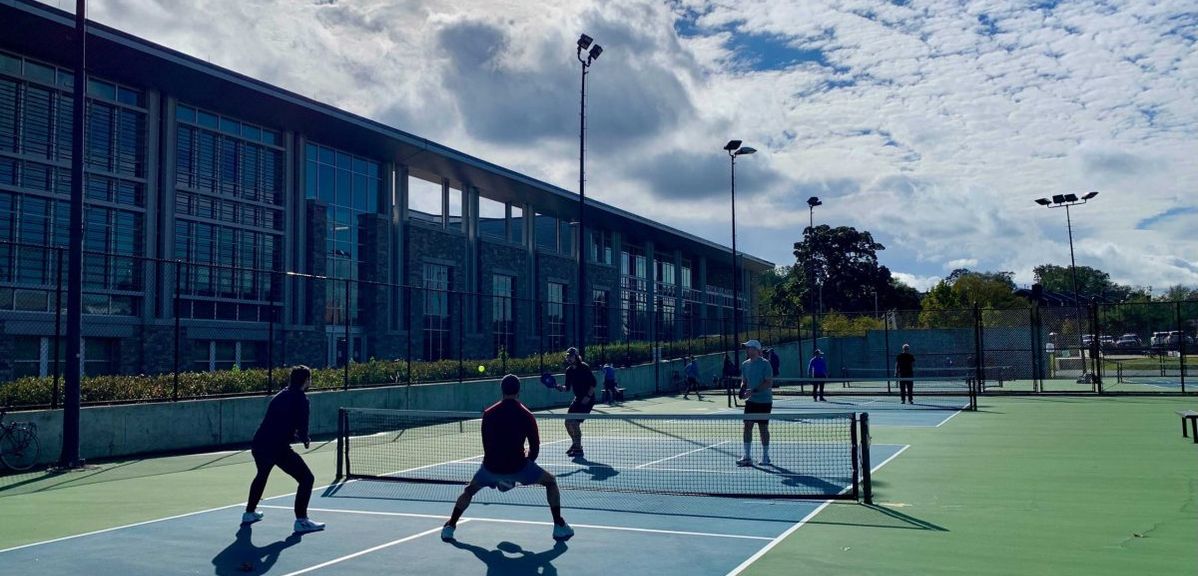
[[94, 532], [757, 555], [950, 417], [364, 552], [535, 523], [682, 454]]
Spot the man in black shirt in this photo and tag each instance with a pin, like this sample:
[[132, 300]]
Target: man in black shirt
[[507, 424], [581, 381], [286, 421], [904, 369]]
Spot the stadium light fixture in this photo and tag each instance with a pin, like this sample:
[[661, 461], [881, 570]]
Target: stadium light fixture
[[1066, 201], [584, 42], [734, 149]]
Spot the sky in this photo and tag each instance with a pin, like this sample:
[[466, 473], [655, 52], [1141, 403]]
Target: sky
[[932, 124]]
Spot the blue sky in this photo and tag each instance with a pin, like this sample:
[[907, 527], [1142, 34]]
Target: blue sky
[[933, 124]]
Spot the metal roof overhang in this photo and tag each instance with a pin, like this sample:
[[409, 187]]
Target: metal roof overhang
[[45, 32]]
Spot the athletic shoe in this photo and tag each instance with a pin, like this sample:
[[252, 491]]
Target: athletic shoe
[[572, 450], [562, 532], [447, 533], [746, 461], [303, 525], [766, 461], [251, 517]]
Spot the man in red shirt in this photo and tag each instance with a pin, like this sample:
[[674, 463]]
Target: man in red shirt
[[507, 424]]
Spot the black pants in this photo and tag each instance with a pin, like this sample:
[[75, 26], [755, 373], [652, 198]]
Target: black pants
[[907, 391], [291, 463], [692, 384], [817, 390]]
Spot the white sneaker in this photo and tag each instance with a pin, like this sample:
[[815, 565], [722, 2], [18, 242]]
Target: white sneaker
[[562, 532], [251, 517], [746, 461], [447, 533], [303, 525]]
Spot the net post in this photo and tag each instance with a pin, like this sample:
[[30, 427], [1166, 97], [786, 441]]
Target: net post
[[856, 455], [340, 443], [866, 465]]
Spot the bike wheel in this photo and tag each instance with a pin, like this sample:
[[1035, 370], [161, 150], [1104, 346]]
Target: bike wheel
[[20, 448]]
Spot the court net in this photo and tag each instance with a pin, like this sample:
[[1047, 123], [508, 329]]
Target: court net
[[824, 456], [991, 376], [868, 393]]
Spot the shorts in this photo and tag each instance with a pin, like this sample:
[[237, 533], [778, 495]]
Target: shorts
[[581, 405], [529, 474], [752, 407]]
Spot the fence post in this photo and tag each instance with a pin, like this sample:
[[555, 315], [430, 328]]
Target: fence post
[[57, 328], [1181, 344], [270, 351], [345, 378], [407, 310], [461, 335], [866, 473], [1033, 337], [1095, 361], [178, 336]]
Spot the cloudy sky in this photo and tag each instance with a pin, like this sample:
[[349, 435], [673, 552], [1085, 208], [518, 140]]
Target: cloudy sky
[[933, 124]]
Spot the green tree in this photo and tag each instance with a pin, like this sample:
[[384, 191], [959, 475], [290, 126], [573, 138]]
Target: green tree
[[841, 266], [1091, 282], [950, 302]]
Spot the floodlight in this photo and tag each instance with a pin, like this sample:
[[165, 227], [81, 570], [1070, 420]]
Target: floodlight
[[584, 42], [1071, 197], [1058, 198], [732, 145], [1089, 195], [746, 150], [1043, 201], [814, 201], [596, 50]]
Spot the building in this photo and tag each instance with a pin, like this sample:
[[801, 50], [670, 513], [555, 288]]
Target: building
[[303, 231]]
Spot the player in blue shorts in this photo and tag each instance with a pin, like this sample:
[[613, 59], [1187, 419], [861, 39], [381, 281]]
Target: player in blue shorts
[[506, 426]]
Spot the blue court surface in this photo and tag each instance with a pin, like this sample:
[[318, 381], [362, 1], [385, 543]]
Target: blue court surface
[[377, 527]]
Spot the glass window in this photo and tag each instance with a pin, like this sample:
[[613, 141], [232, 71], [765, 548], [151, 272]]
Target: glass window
[[128, 96], [229, 126], [207, 119], [101, 89], [10, 64], [546, 231], [185, 113], [425, 200], [566, 237], [39, 72]]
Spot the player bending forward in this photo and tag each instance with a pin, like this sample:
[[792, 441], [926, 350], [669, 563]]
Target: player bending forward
[[506, 426]]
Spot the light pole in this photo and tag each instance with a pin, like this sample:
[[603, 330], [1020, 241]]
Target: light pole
[[812, 202], [1067, 200], [69, 457], [592, 54], [734, 149]]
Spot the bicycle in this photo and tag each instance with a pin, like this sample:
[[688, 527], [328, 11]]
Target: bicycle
[[19, 446]]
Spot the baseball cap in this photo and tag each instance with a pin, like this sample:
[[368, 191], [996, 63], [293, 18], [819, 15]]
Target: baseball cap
[[510, 384], [753, 344], [571, 350], [818, 351]]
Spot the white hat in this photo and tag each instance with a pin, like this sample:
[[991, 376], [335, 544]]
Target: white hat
[[753, 344]]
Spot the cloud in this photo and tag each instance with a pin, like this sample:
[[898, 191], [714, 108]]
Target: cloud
[[933, 124], [921, 283], [961, 263]]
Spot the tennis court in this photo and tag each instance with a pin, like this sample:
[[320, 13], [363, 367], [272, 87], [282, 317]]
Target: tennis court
[[380, 526]]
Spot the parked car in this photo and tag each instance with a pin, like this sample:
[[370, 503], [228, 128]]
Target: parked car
[[1158, 339], [1106, 342], [1129, 341]]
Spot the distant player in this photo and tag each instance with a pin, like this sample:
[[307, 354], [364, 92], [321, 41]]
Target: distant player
[[609, 384], [506, 426], [757, 377], [817, 368], [692, 378], [286, 421], [904, 369], [581, 381]]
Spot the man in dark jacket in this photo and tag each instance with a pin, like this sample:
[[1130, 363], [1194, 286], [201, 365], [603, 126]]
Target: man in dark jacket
[[285, 422]]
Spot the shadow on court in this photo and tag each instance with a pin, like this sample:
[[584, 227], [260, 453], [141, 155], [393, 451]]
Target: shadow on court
[[241, 557], [509, 559]]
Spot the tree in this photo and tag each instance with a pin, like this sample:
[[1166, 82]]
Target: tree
[[840, 266], [950, 302], [1091, 282]]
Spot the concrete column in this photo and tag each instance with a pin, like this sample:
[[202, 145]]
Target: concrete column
[[678, 299], [701, 286], [651, 262]]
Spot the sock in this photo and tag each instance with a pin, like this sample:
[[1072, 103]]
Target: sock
[[748, 449]]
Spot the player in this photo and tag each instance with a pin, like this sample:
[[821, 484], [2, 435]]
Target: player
[[757, 377], [904, 369], [581, 381], [817, 368], [286, 421], [692, 379], [506, 426], [609, 384]]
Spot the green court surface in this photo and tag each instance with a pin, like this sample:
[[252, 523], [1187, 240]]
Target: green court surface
[[1048, 485]]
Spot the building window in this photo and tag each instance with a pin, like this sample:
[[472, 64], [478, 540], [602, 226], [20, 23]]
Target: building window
[[600, 246], [213, 355], [453, 201], [555, 316], [634, 293], [600, 312], [350, 187], [437, 281], [516, 229], [34, 356], [546, 231], [503, 323], [426, 200]]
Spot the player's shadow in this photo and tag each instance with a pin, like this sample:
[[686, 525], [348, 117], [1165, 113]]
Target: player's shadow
[[598, 471], [792, 478], [509, 559], [242, 557]]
